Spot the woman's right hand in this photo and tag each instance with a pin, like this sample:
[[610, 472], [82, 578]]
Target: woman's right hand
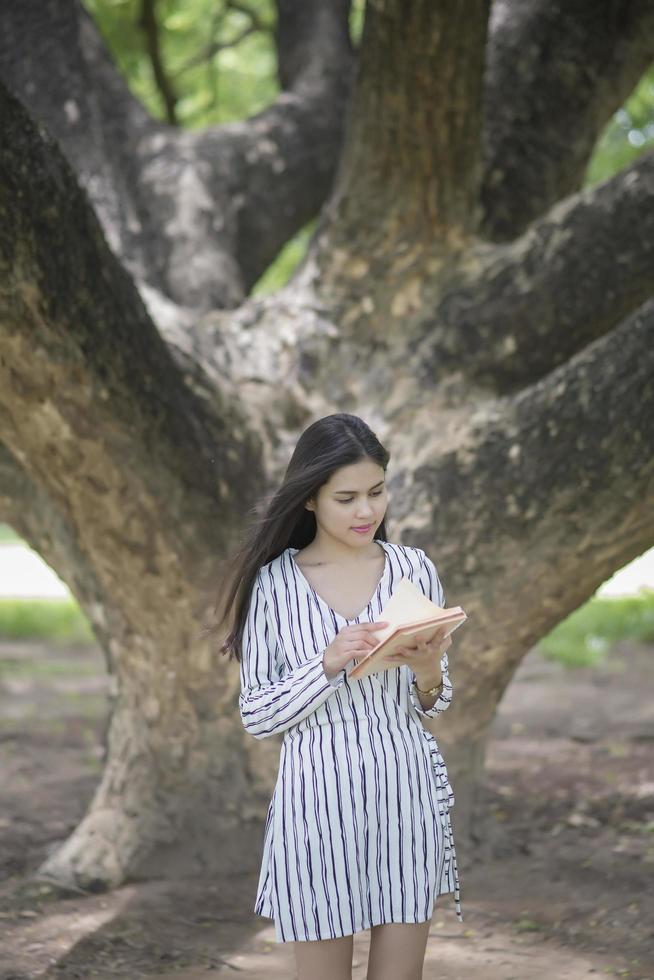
[[356, 640]]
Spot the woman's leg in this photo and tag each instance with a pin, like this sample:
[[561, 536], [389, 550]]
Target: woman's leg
[[397, 950], [324, 959]]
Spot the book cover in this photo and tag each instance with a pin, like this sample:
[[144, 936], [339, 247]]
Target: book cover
[[409, 614]]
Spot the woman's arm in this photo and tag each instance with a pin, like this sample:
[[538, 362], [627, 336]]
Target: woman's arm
[[268, 702], [430, 584]]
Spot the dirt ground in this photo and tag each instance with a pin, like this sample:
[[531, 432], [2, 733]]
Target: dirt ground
[[565, 889]]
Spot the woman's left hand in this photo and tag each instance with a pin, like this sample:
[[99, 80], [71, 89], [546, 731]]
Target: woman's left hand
[[424, 655]]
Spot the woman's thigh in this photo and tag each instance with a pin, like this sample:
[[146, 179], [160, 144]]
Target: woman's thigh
[[324, 959], [397, 950]]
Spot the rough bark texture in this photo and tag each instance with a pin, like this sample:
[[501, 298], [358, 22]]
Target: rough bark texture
[[198, 215], [131, 462], [140, 421], [420, 170], [557, 70]]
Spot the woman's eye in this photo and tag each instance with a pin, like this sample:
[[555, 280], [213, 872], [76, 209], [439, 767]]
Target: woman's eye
[[349, 500]]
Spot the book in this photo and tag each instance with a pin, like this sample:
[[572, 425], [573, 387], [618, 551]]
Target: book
[[409, 613]]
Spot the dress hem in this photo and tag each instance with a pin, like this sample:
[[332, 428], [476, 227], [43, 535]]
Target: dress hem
[[365, 926]]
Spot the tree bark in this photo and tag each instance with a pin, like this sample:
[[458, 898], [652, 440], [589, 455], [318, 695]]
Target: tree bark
[[512, 383], [421, 73], [198, 215], [556, 72], [132, 463], [560, 283]]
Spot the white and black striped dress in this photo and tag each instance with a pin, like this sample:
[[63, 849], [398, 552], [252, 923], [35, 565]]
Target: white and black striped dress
[[358, 830]]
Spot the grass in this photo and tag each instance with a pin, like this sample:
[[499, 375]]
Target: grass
[[52, 666], [585, 637], [55, 620]]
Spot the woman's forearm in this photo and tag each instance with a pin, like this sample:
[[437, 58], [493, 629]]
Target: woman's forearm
[[425, 683]]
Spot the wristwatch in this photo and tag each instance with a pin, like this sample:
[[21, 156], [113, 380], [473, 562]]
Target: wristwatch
[[433, 691]]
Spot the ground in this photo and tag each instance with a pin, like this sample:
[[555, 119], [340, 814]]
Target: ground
[[561, 890]]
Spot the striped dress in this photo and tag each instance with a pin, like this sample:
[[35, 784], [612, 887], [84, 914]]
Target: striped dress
[[358, 830]]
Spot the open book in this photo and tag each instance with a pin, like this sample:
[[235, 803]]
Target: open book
[[409, 614]]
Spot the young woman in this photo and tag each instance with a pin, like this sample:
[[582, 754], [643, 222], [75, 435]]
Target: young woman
[[358, 833]]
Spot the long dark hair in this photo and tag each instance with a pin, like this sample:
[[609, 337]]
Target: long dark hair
[[324, 447]]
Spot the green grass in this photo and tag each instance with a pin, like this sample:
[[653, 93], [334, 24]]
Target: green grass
[[55, 620], [52, 667], [585, 637]]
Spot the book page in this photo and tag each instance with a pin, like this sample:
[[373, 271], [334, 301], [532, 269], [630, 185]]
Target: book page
[[410, 614]]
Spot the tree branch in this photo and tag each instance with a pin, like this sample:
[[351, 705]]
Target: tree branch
[[413, 145], [514, 312], [563, 475], [556, 72], [198, 215], [149, 26], [146, 471], [107, 426], [312, 38]]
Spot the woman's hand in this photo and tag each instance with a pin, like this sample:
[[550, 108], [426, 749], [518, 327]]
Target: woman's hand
[[352, 641], [423, 657]]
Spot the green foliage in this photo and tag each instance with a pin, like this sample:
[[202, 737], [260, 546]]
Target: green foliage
[[218, 79], [219, 60], [56, 620], [278, 274], [215, 79], [8, 535], [585, 637], [357, 11], [629, 133]]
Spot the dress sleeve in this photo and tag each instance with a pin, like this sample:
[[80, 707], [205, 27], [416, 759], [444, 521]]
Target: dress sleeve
[[270, 702], [429, 582]]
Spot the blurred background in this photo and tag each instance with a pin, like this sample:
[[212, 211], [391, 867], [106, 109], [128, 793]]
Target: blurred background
[[570, 755], [199, 62], [36, 604]]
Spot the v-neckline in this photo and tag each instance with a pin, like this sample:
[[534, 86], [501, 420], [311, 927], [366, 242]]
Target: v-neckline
[[294, 551]]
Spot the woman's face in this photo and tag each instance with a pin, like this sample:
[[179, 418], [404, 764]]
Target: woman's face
[[354, 496]]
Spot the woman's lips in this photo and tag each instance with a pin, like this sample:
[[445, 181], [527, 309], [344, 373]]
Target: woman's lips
[[362, 530]]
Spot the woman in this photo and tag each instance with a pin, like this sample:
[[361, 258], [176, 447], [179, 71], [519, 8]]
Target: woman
[[358, 833]]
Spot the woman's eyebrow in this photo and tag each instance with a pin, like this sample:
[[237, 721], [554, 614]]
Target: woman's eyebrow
[[355, 491]]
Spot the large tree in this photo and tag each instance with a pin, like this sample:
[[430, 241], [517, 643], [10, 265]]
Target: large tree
[[491, 318]]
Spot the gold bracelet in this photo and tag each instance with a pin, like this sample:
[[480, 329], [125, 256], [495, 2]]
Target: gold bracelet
[[433, 691]]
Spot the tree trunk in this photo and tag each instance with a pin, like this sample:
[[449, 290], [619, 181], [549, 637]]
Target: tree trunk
[[140, 422]]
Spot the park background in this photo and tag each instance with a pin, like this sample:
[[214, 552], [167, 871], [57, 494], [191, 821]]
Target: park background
[[562, 888]]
